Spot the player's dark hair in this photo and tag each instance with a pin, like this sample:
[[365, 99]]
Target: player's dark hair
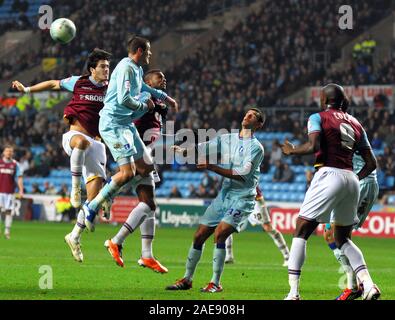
[[135, 42], [335, 97], [94, 57], [150, 73], [260, 114]]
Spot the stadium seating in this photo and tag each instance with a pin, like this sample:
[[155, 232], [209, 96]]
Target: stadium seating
[[8, 15]]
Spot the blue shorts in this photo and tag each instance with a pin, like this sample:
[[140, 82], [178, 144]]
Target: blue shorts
[[368, 193], [230, 209], [123, 141]]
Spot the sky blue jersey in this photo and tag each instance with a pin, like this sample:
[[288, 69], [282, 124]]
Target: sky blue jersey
[[358, 163], [243, 156], [127, 93]]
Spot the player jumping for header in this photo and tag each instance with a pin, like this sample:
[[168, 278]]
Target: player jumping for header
[[81, 143], [127, 99], [149, 128]]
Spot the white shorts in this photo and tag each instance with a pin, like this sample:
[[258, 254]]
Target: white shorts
[[7, 201], [95, 157], [139, 180], [332, 189], [259, 216]]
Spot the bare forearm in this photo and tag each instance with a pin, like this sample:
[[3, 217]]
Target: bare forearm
[[306, 148], [366, 170], [46, 85], [20, 185]]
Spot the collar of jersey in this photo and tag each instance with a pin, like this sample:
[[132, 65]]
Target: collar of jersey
[[97, 84]]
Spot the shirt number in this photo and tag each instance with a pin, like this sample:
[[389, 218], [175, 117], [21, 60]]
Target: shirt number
[[347, 135]]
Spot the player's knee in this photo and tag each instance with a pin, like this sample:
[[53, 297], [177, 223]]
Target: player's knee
[[304, 228], [151, 203], [340, 241], [199, 238], [220, 237], [127, 175], [267, 227]]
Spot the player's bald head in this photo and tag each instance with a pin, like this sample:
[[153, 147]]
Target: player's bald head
[[333, 96]]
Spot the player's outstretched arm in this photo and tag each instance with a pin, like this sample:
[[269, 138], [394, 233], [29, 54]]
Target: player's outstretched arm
[[42, 86], [311, 146], [159, 94]]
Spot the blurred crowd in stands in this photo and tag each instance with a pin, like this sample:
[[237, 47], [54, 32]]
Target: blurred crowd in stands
[[256, 63], [106, 24], [36, 134]]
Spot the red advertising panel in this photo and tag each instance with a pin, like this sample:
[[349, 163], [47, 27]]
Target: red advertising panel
[[378, 224], [121, 208]]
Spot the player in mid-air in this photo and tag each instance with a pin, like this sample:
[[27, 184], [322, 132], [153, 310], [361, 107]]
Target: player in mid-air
[[334, 191], [82, 141], [241, 155], [149, 128], [127, 99], [261, 217], [9, 170], [369, 191]]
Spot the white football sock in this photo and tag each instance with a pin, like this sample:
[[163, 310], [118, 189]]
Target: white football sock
[[8, 223], [79, 226], [295, 263], [77, 160], [345, 263], [358, 264], [147, 230], [135, 219]]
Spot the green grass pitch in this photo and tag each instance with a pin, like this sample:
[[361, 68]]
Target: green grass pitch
[[257, 273]]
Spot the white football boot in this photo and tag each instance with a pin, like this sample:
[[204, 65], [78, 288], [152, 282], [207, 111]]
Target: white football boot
[[75, 248]]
